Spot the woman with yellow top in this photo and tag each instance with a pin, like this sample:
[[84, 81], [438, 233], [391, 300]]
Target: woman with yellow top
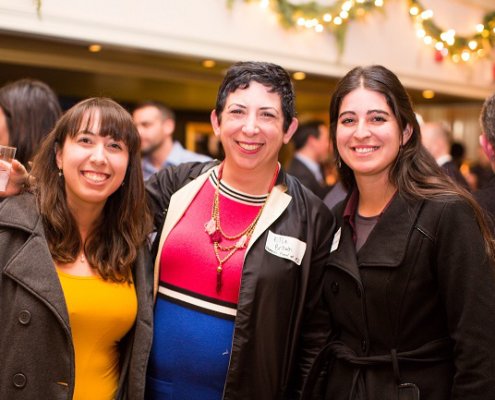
[[75, 302]]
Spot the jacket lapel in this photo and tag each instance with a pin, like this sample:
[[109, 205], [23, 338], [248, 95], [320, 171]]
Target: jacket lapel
[[343, 255], [179, 202], [387, 244], [275, 205], [33, 267]]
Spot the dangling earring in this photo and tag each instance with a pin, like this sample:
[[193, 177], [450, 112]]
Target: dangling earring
[[339, 162], [122, 184], [60, 172]]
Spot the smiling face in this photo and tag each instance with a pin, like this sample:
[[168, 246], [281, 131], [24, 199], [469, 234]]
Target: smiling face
[[93, 166], [251, 130], [368, 134]]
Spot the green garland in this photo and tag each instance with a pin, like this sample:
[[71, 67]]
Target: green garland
[[334, 19], [316, 16]]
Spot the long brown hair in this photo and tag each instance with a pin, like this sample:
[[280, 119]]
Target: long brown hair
[[112, 245], [415, 173]]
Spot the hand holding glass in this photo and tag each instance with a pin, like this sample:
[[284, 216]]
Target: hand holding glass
[[7, 154]]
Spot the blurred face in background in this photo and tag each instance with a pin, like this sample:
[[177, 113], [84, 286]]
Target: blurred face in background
[[154, 129], [4, 130], [322, 143]]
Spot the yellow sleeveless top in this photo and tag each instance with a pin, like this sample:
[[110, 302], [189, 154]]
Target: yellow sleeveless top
[[100, 314]]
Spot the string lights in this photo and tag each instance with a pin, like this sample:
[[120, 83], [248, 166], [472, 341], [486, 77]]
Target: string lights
[[334, 18], [447, 43]]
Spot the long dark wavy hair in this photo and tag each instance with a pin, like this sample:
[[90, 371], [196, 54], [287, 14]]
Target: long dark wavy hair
[[112, 244], [414, 173]]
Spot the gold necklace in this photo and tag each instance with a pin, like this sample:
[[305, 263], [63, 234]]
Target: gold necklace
[[214, 229]]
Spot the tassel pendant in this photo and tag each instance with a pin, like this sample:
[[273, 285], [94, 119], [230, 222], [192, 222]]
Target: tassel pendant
[[219, 278]]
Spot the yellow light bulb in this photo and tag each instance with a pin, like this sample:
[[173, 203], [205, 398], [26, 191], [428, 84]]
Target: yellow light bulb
[[414, 10]]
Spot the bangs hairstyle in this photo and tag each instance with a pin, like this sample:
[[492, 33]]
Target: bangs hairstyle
[[274, 77], [112, 245], [415, 173]]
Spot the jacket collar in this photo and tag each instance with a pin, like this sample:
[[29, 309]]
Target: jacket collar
[[32, 266], [387, 243]]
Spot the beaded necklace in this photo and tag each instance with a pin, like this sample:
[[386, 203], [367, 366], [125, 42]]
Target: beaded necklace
[[214, 229]]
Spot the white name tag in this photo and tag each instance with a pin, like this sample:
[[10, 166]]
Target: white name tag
[[286, 247], [336, 240]]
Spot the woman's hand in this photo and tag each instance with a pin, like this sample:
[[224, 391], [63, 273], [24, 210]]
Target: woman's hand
[[18, 178]]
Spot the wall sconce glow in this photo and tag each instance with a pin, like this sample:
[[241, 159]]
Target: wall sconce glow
[[299, 76], [208, 63], [94, 48], [428, 94]]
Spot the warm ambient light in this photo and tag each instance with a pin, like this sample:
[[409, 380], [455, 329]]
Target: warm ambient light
[[94, 48], [428, 94], [299, 76], [208, 63]]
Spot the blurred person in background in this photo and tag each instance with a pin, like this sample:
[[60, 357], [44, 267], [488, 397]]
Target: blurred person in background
[[156, 124], [28, 111], [311, 143], [486, 196], [435, 138]]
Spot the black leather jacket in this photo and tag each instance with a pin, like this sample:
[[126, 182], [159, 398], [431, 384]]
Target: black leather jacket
[[274, 343]]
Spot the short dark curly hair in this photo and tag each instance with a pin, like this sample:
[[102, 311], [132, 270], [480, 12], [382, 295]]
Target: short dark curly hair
[[273, 76]]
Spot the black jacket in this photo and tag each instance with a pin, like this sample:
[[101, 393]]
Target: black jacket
[[307, 178], [414, 305], [486, 199], [270, 351]]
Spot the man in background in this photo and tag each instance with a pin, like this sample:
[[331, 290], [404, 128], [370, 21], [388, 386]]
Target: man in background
[[312, 144], [435, 138], [156, 124], [486, 196]]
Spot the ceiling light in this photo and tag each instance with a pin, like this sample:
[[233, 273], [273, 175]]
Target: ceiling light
[[208, 63], [94, 48], [299, 76], [428, 94]]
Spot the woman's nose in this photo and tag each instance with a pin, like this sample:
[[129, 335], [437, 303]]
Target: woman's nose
[[98, 154], [250, 126], [362, 130]]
